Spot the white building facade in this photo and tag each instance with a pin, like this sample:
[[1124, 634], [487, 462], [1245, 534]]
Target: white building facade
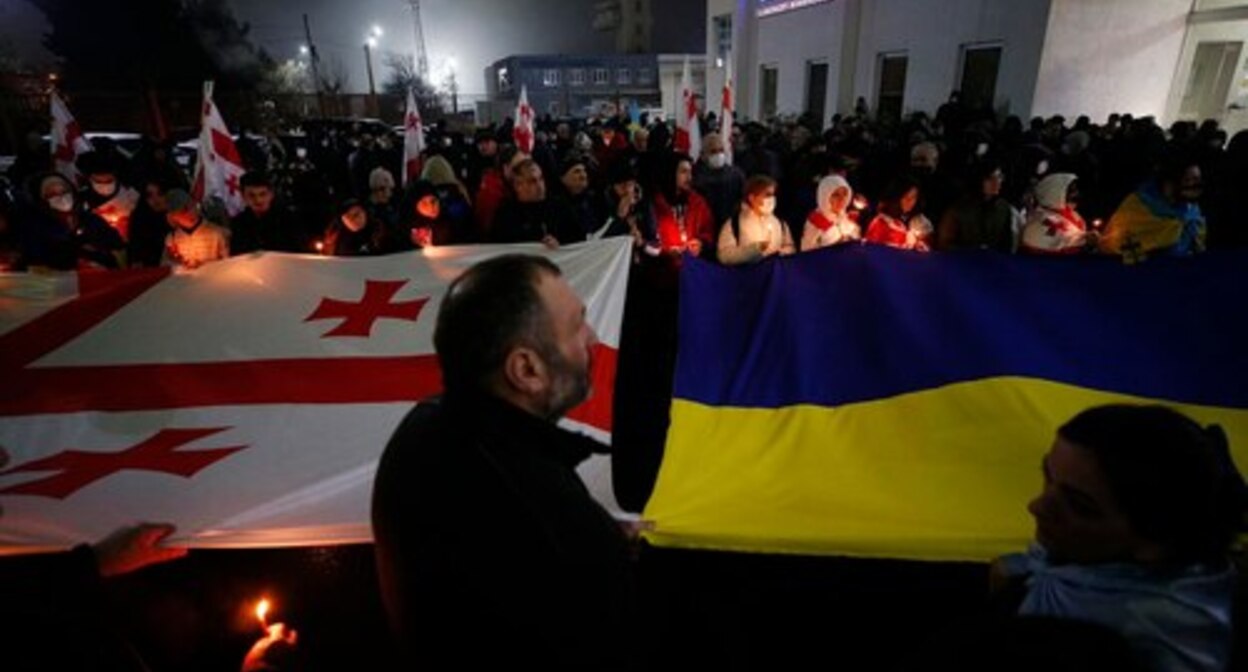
[[1172, 59]]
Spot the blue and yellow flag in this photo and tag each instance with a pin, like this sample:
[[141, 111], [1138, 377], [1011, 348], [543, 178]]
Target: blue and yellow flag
[[870, 402]]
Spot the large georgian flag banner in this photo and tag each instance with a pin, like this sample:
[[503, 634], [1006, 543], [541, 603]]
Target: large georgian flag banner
[[247, 401], [872, 402]]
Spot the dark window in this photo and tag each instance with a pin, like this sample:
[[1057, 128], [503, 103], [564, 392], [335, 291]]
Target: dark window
[[816, 89], [892, 93], [980, 66], [771, 81]]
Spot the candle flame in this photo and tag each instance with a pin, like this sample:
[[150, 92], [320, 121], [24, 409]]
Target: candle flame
[[860, 202], [320, 246], [262, 612]]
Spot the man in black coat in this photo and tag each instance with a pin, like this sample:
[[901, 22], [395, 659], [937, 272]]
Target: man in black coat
[[490, 551], [264, 225], [529, 216]]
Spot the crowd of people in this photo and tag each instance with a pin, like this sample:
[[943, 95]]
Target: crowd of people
[[1140, 504], [952, 181]]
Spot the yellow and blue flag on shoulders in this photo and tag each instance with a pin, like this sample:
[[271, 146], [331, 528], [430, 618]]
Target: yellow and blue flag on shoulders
[[869, 402]]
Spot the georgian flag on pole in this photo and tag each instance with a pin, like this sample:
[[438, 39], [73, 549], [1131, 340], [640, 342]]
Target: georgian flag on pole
[[688, 132], [726, 109], [413, 139], [219, 167], [522, 130], [246, 401], [68, 142]]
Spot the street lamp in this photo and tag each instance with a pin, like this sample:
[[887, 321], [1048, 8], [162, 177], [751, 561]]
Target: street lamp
[[303, 50]]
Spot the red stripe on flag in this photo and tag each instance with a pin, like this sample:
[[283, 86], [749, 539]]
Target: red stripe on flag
[[100, 294], [357, 380], [224, 147]]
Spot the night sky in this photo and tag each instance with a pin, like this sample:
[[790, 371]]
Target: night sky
[[474, 32]]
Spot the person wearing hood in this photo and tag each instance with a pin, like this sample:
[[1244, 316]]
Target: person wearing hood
[[453, 197], [105, 195], [1053, 225], [1163, 216], [831, 223], [755, 233], [427, 224], [899, 223], [1133, 533], [981, 220], [60, 235]]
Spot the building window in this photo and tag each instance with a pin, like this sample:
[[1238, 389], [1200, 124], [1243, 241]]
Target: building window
[[504, 79], [623, 76], [576, 76], [980, 65], [550, 77], [602, 77], [723, 35], [891, 100], [645, 76], [816, 89], [770, 77]]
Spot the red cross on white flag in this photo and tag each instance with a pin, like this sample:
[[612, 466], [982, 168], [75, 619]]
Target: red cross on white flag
[[68, 142], [219, 166], [688, 132], [523, 131], [413, 139], [246, 401]]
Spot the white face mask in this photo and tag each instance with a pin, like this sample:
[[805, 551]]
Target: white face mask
[[717, 160], [62, 203], [769, 205]]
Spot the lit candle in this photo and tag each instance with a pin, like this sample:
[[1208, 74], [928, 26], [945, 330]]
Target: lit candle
[[262, 612], [1096, 224], [860, 202], [320, 247]]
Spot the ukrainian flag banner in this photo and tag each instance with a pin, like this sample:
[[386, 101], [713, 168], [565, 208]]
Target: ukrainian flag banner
[[864, 401]]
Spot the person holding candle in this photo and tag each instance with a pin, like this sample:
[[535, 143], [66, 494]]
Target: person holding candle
[[899, 222], [1054, 225], [832, 223], [491, 554], [755, 233], [682, 217]]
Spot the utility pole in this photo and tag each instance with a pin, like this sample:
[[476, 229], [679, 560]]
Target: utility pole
[[316, 69], [420, 58], [372, 87]]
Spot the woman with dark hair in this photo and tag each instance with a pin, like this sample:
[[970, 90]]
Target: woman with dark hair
[[755, 233], [982, 219], [682, 217], [899, 222], [1133, 532], [353, 233]]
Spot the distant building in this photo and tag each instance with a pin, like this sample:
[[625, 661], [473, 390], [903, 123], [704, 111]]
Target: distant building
[[1173, 59], [571, 86], [629, 21]]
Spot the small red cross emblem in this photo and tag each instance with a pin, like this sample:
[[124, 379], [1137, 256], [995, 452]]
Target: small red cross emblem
[[231, 183], [78, 468], [358, 318], [413, 120]]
